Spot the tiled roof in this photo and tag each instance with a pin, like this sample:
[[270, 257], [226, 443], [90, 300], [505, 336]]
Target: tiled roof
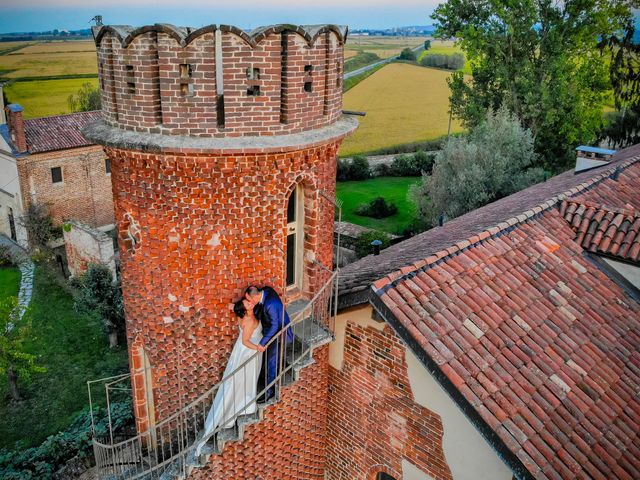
[[352, 230], [601, 230], [542, 346], [58, 132], [356, 278]]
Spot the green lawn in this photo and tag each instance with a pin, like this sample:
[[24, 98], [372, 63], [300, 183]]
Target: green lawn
[[45, 97], [9, 281], [73, 349], [393, 189]]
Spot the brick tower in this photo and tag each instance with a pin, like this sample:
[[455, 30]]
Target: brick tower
[[223, 157]]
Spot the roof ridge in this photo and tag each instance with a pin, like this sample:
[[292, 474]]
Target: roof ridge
[[46, 117], [389, 280]]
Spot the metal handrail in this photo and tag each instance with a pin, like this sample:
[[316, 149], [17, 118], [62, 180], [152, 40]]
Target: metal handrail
[[155, 447]]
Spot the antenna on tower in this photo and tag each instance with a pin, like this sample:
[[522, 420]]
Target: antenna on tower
[[97, 19]]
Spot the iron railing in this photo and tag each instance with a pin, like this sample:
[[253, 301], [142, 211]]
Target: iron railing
[[166, 446]]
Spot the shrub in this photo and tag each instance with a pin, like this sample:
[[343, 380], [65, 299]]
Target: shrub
[[411, 165], [407, 54], [494, 160], [382, 170], [363, 243], [97, 294], [454, 61], [377, 208], [355, 169], [6, 260], [43, 461], [427, 44]]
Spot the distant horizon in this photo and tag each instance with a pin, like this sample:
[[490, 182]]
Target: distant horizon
[[376, 14]]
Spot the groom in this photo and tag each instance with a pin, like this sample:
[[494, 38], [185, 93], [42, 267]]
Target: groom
[[269, 309]]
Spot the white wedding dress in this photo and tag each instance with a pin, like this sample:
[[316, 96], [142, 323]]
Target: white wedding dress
[[238, 391]]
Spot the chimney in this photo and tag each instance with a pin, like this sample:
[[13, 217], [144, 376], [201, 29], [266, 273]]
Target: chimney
[[16, 127], [3, 118], [376, 246]]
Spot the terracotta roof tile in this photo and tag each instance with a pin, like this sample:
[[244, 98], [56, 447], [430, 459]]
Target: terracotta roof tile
[[58, 132], [541, 343]]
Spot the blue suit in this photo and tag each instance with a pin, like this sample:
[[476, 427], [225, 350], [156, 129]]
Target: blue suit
[[270, 312]]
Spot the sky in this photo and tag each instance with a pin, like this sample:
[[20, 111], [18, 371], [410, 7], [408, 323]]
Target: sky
[[41, 15]]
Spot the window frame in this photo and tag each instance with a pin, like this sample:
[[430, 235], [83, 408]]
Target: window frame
[[53, 180], [296, 227]]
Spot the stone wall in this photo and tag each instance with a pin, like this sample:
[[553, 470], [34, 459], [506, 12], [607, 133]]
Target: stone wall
[[84, 193], [85, 245]]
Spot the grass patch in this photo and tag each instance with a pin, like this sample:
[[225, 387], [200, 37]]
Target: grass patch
[[351, 82], [404, 104], [46, 97], [73, 349], [47, 64], [60, 46], [393, 189], [9, 282], [362, 59]]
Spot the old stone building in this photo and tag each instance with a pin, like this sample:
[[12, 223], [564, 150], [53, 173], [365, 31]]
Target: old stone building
[[47, 161], [493, 347]]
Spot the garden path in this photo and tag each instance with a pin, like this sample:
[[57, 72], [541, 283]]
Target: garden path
[[27, 269]]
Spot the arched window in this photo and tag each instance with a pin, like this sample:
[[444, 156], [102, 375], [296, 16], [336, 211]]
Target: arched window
[[384, 476], [295, 238]]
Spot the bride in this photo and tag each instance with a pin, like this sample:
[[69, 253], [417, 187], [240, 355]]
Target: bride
[[237, 394]]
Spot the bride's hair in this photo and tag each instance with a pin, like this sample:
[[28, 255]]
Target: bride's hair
[[239, 309]]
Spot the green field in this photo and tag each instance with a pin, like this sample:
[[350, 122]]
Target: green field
[[46, 97], [404, 104], [393, 189], [73, 349], [383, 47], [29, 68], [9, 282]]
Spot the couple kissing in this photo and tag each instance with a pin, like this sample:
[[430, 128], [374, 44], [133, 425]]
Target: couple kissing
[[261, 316]]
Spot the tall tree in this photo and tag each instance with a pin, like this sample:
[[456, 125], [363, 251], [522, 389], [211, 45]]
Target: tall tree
[[15, 361], [494, 160], [539, 58], [624, 70], [99, 294]]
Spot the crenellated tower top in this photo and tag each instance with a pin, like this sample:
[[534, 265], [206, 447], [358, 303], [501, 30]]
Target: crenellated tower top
[[220, 81]]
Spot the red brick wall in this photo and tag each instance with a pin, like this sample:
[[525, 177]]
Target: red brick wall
[[373, 421], [206, 227], [151, 61], [290, 443], [85, 192]]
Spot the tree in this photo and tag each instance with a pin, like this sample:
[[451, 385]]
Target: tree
[[15, 329], [407, 54], [39, 225], [97, 294], [493, 161], [624, 71], [86, 99], [427, 44], [540, 59]]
